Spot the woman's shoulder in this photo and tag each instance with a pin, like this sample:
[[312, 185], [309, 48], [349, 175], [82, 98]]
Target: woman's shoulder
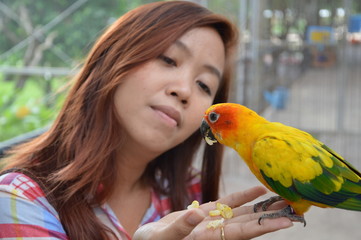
[[21, 185], [21, 195]]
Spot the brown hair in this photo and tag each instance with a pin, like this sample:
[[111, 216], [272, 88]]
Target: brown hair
[[77, 153]]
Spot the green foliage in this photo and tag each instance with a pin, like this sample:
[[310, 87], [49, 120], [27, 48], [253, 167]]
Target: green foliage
[[73, 35], [23, 109], [31, 109]]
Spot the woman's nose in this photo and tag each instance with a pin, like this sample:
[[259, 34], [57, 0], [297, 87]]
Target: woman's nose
[[183, 100], [181, 89]]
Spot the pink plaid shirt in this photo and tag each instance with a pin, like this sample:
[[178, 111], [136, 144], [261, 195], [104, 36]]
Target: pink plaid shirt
[[26, 214]]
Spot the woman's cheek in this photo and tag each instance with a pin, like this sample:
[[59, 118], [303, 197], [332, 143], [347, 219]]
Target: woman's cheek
[[197, 119]]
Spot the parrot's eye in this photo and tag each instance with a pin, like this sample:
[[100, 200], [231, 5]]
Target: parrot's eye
[[213, 117]]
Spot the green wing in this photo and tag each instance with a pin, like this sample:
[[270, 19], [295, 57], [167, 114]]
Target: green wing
[[297, 166]]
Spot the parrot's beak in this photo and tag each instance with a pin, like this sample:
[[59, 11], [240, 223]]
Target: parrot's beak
[[207, 133]]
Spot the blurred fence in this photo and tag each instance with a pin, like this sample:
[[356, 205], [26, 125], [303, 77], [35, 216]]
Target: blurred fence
[[311, 82]]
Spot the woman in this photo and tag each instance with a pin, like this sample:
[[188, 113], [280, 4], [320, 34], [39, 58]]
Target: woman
[[119, 154]]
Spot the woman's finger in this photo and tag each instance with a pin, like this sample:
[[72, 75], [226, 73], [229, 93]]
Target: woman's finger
[[239, 198], [171, 228], [182, 226], [242, 210], [251, 229]]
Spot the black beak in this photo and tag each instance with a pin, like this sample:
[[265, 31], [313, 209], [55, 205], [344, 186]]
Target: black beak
[[207, 133]]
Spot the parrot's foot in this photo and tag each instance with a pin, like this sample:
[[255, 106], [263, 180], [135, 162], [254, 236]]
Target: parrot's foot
[[287, 212], [264, 205]]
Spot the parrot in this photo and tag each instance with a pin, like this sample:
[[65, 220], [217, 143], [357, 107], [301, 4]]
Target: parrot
[[298, 168]]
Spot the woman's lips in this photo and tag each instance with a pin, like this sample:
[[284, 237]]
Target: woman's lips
[[169, 114]]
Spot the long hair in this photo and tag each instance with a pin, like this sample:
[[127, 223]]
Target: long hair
[[77, 154]]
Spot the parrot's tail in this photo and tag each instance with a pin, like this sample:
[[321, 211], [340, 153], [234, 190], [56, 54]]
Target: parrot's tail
[[348, 197]]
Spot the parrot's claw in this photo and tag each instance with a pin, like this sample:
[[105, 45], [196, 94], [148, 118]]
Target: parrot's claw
[[287, 212], [264, 205]]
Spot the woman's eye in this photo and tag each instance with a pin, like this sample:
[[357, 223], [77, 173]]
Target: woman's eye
[[168, 60], [204, 87]]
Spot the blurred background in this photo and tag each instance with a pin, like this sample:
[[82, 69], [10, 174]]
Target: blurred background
[[299, 63]]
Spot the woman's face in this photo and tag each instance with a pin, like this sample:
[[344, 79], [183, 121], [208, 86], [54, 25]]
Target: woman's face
[[162, 102]]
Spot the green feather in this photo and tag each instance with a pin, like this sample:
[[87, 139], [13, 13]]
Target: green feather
[[344, 198], [285, 192], [351, 203], [325, 182], [352, 187]]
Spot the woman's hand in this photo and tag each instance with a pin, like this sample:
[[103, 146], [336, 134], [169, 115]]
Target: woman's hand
[[192, 224], [176, 225]]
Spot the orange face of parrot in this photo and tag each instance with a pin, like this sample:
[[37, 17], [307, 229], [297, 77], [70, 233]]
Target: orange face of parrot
[[219, 122]]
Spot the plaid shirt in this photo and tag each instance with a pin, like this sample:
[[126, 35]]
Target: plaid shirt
[[26, 214]]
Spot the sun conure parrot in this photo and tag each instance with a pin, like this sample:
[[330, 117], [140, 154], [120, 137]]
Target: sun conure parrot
[[300, 169]]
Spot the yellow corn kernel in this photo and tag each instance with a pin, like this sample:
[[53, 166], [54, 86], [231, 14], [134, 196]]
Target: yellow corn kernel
[[225, 210], [195, 204], [215, 223], [214, 213]]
